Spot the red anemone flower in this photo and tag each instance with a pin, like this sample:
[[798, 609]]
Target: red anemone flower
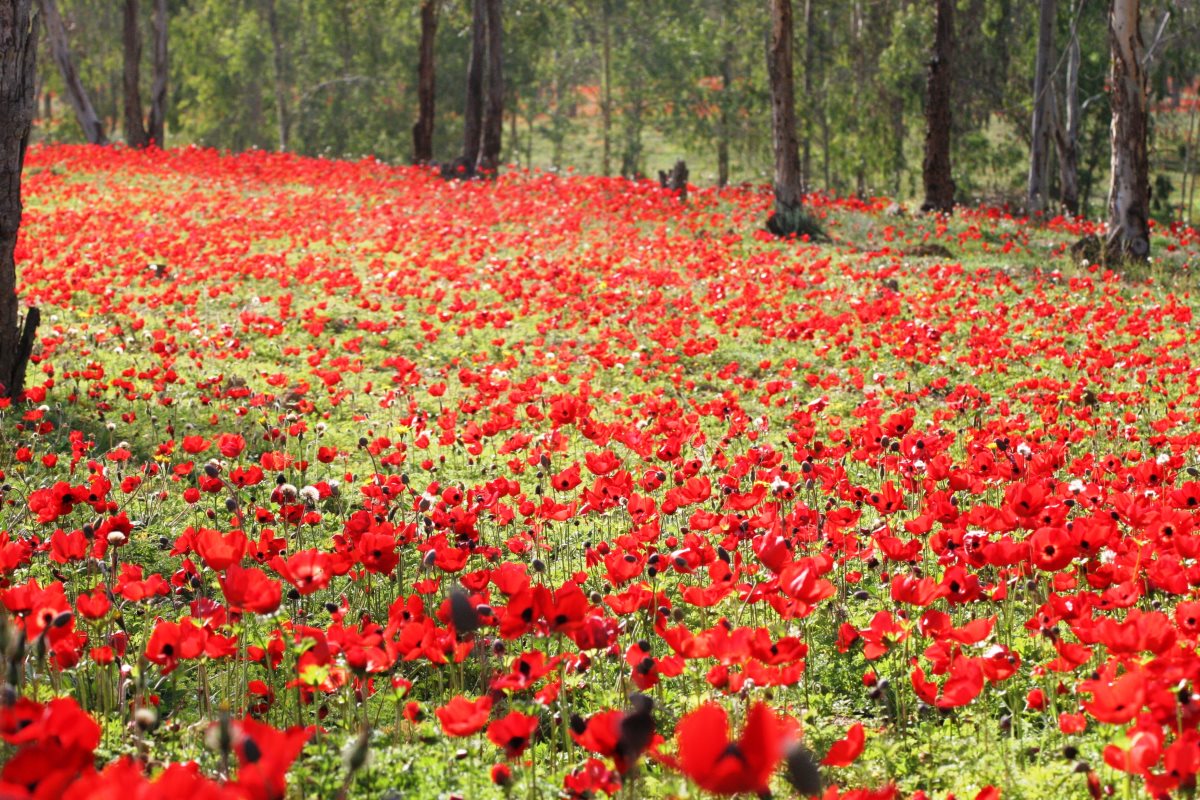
[[721, 766], [513, 732], [249, 589], [462, 717]]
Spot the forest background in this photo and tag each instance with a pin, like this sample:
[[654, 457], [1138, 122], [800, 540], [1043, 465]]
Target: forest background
[[627, 87]]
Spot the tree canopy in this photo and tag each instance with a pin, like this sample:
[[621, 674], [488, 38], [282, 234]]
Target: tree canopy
[[624, 87]]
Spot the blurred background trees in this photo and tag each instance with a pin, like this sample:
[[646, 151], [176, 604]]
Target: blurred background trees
[[627, 87]]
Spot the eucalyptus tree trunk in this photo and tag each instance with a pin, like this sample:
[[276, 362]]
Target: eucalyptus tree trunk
[[473, 113], [135, 128], [158, 88], [1038, 186], [724, 121], [1187, 166], [426, 85], [810, 60], [18, 56], [60, 49], [1129, 189], [788, 186], [939, 184], [1066, 137], [283, 113], [606, 106], [493, 108]]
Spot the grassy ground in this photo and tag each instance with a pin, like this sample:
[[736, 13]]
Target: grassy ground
[[360, 326]]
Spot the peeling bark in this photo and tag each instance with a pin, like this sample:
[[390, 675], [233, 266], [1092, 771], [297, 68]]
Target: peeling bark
[[1129, 190]]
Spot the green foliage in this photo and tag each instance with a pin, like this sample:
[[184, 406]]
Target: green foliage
[[221, 99], [686, 79]]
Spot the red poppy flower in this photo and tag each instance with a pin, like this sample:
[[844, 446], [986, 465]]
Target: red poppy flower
[[721, 766], [963, 686], [1115, 700], [619, 735], [309, 570], [231, 445], [843, 752], [462, 717], [265, 754], [249, 589], [591, 780], [501, 775], [512, 732], [94, 604], [219, 550]]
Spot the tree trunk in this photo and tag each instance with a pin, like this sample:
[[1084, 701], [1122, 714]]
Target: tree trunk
[[1129, 190], [135, 127], [788, 189], [899, 131], [632, 115], [1188, 181], [283, 114], [723, 128], [558, 116], [1038, 186], [675, 181], [18, 56], [1066, 137], [939, 185], [473, 115], [56, 35], [423, 130], [724, 118], [606, 97], [530, 113], [1191, 197], [39, 88], [810, 60], [514, 128], [158, 89], [826, 174], [493, 111]]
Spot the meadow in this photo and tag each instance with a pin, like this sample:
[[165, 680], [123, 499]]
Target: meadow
[[338, 479]]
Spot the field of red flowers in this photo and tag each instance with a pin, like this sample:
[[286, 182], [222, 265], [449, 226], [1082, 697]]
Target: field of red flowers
[[340, 480]]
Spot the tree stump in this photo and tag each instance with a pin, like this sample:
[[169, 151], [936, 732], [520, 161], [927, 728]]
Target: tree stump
[[461, 168], [1089, 249], [675, 181]]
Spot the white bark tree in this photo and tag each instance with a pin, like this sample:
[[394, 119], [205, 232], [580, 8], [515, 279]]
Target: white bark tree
[[1129, 190]]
